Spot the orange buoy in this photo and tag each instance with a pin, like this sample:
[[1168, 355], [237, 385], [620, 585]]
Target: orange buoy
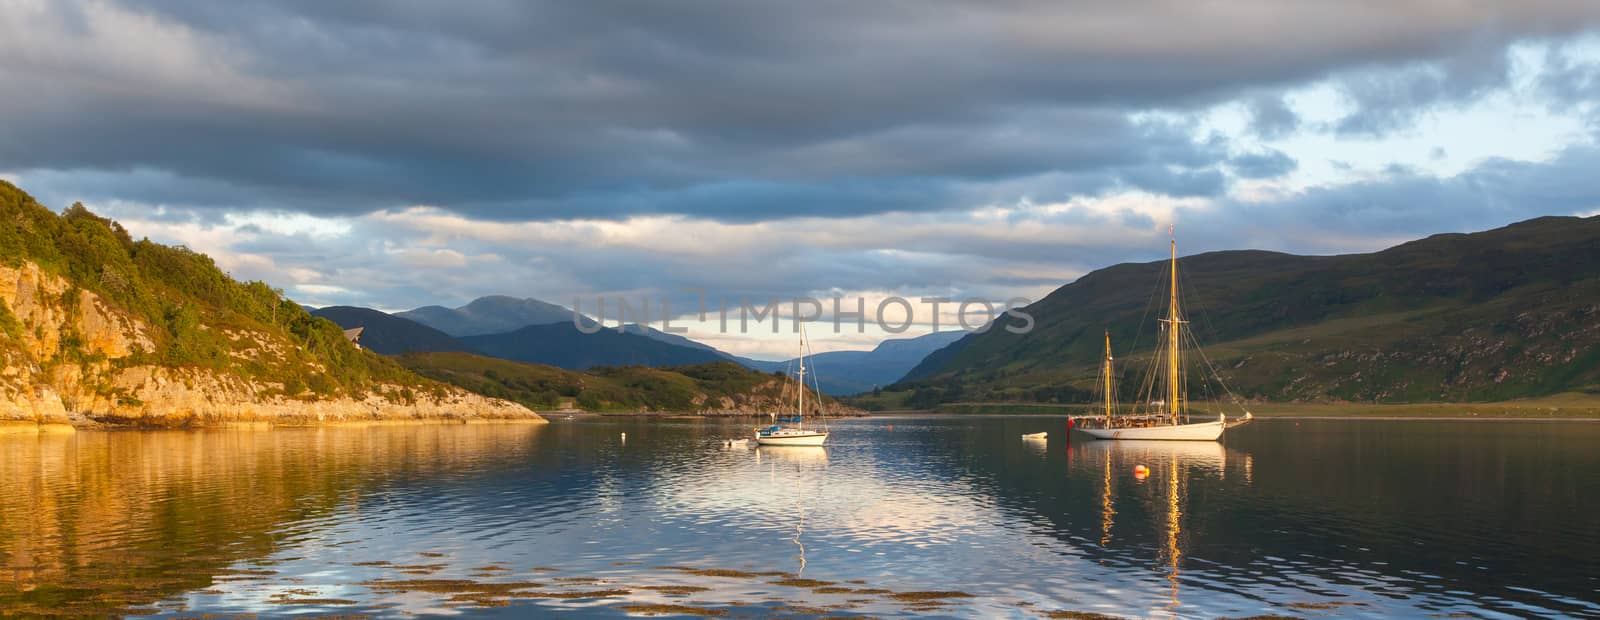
[[1140, 471]]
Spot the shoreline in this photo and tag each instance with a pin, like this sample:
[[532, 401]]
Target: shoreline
[[1585, 416], [23, 427]]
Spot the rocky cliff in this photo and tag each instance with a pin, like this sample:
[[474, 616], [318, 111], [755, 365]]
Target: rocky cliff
[[64, 364], [96, 329]]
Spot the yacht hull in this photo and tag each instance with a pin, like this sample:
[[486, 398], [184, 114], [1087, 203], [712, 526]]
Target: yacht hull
[[795, 439], [1204, 431]]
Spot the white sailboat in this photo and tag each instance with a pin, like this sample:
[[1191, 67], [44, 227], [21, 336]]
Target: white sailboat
[[796, 435], [1168, 418]]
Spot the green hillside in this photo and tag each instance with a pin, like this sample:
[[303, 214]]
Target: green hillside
[[174, 308], [713, 387], [1503, 314]]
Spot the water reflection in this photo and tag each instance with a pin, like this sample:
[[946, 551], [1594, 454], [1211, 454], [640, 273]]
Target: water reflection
[[1171, 465], [1362, 519], [800, 458], [111, 522], [808, 457], [1039, 446]]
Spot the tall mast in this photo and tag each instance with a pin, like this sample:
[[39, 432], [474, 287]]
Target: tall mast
[[1110, 390], [800, 412], [1172, 336]]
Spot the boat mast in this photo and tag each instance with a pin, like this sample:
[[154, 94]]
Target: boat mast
[[1172, 336], [800, 411], [1108, 386]]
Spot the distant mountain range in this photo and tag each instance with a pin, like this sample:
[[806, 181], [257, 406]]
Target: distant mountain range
[[494, 314], [552, 339], [1508, 313], [557, 344], [388, 334], [842, 373], [562, 345]]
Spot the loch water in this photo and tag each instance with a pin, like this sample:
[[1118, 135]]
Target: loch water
[[898, 516]]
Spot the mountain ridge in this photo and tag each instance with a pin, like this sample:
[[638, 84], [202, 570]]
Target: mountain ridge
[[490, 314], [389, 334], [563, 345], [1492, 315]]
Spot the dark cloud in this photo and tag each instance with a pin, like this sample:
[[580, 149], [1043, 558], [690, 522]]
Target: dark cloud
[[1404, 204], [1386, 99], [1271, 118], [1265, 164], [910, 146], [1569, 80], [532, 110]]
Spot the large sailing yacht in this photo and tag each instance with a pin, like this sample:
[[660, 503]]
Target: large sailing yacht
[[1168, 416]]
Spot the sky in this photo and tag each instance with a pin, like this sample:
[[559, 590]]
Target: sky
[[401, 154]]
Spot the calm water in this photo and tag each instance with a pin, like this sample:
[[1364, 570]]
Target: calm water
[[1308, 518]]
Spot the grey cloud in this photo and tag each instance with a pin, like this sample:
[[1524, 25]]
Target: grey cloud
[[1386, 100], [1569, 81], [1271, 118], [1265, 164], [1404, 204], [530, 110]]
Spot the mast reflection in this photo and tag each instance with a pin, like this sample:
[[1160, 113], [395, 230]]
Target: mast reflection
[[1172, 465]]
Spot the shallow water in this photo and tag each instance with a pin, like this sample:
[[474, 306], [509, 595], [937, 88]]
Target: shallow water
[[1307, 518]]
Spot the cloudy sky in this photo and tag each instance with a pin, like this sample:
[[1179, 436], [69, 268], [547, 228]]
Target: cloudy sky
[[398, 154]]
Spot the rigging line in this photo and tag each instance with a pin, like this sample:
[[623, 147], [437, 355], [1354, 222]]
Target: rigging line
[[1211, 328], [1147, 385], [1218, 376], [1191, 290], [1138, 331]]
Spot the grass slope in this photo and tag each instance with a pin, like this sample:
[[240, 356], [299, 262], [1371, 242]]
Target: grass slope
[[1503, 314]]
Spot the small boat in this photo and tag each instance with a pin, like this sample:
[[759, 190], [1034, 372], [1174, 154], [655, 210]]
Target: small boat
[[736, 443], [780, 436], [797, 435], [1167, 417], [1040, 435]]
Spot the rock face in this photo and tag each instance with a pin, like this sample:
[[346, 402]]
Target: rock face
[[71, 358]]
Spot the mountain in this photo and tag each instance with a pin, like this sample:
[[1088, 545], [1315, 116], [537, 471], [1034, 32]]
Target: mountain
[[635, 345], [489, 315], [716, 387], [842, 373], [562, 345], [102, 329], [495, 314], [388, 334], [1507, 313]]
